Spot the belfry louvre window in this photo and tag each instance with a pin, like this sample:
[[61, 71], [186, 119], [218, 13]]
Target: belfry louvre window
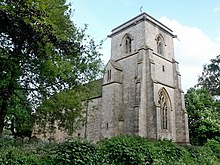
[[128, 44], [160, 45]]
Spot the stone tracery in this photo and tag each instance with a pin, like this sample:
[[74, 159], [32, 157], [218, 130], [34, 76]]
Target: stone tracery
[[163, 101]]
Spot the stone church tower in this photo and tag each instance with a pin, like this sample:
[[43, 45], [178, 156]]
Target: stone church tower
[[141, 88]]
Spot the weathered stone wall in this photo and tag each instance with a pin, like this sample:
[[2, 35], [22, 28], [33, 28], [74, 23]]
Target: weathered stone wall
[[93, 124], [117, 45], [111, 108]]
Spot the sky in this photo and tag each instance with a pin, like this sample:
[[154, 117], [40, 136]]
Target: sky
[[195, 22]]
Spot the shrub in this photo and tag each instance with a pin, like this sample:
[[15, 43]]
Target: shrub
[[166, 152], [214, 146], [125, 150], [76, 152], [203, 155], [14, 151], [132, 150]]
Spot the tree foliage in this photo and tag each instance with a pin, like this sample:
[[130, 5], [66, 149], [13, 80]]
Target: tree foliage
[[204, 116], [63, 110], [19, 119], [41, 52], [66, 110], [210, 77]]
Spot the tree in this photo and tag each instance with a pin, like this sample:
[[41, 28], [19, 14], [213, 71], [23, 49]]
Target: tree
[[41, 52], [64, 110], [19, 119], [67, 110], [204, 116], [210, 77]]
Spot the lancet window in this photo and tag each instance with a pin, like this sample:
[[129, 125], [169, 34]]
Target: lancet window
[[160, 45], [128, 44]]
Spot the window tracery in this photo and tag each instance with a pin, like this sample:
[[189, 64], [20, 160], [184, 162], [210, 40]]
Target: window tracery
[[163, 101]]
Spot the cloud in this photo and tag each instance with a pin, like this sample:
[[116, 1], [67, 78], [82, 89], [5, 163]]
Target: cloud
[[216, 9], [192, 51]]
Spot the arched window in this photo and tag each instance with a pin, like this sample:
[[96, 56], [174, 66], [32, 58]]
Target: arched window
[[127, 44], [160, 45], [164, 106]]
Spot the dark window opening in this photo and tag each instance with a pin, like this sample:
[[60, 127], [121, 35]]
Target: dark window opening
[[109, 75], [106, 126], [164, 116]]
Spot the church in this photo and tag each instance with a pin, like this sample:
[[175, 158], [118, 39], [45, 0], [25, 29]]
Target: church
[[141, 88], [140, 93]]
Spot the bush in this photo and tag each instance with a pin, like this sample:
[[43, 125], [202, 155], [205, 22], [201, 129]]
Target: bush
[[214, 146], [132, 150], [203, 155], [14, 157], [14, 151], [166, 152], [136, 150], [125, 150], [76, 152]]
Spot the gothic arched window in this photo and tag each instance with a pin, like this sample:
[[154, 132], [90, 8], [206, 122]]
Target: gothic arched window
[[127, 44], [160, 45], [164, 106]]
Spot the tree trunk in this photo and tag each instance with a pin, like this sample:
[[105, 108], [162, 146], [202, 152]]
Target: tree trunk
[[3, 114], [6, 94]]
